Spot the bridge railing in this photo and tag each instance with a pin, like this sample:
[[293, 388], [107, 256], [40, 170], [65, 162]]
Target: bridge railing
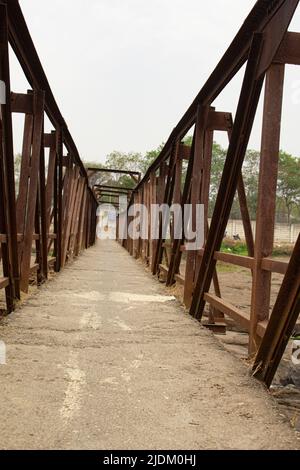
[[264, 46], [47, 211]]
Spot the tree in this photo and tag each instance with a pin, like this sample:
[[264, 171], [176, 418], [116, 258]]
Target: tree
[[188, 140], [96, 178], [123, 161], [149, 158], [250, 177], [289, 182], [18, 161], [131, 162], [217, 165]]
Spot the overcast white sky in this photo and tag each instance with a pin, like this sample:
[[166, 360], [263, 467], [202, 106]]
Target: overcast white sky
[[124, 71]]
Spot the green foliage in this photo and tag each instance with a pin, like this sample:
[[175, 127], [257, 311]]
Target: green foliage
[[124, 161], [188, 140], [288, 189], [149, 158], [132, 161], [289, 183], [234, 248], [251, 176], [18, 160], [217, 165], [240, 248], [93, 165]]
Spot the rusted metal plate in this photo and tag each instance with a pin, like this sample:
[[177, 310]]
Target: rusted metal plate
[[21, 103], [289, 50]]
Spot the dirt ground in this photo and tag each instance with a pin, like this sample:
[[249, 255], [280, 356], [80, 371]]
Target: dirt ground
[[236, 284], [102, 357]]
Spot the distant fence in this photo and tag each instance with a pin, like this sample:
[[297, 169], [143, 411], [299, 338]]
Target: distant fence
[[284, 233]]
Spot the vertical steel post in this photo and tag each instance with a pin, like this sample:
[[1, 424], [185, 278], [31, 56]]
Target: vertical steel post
[[8, 154], [266, 210]]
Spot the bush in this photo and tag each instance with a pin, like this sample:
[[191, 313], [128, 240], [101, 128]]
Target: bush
[[283, 250]]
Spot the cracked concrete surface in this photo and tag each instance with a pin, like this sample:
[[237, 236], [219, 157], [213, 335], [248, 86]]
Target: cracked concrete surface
[[102, 358]]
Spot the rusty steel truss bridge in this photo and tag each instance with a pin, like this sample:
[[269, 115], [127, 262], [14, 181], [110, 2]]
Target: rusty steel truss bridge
[[52, 216]]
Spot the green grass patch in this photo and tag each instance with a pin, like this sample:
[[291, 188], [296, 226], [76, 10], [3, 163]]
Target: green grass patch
[[234, 248], [240, 248]]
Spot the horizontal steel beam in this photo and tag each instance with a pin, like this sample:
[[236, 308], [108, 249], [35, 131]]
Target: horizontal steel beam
[[118, 172], [113, 188]]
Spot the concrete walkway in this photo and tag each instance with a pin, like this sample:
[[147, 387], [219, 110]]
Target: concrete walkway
[[101, 358]]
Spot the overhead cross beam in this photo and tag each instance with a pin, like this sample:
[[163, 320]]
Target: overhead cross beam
[[113, 188], [135, 175]]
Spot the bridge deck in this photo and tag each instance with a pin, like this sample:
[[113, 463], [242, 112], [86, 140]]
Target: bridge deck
[[101, 358]]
